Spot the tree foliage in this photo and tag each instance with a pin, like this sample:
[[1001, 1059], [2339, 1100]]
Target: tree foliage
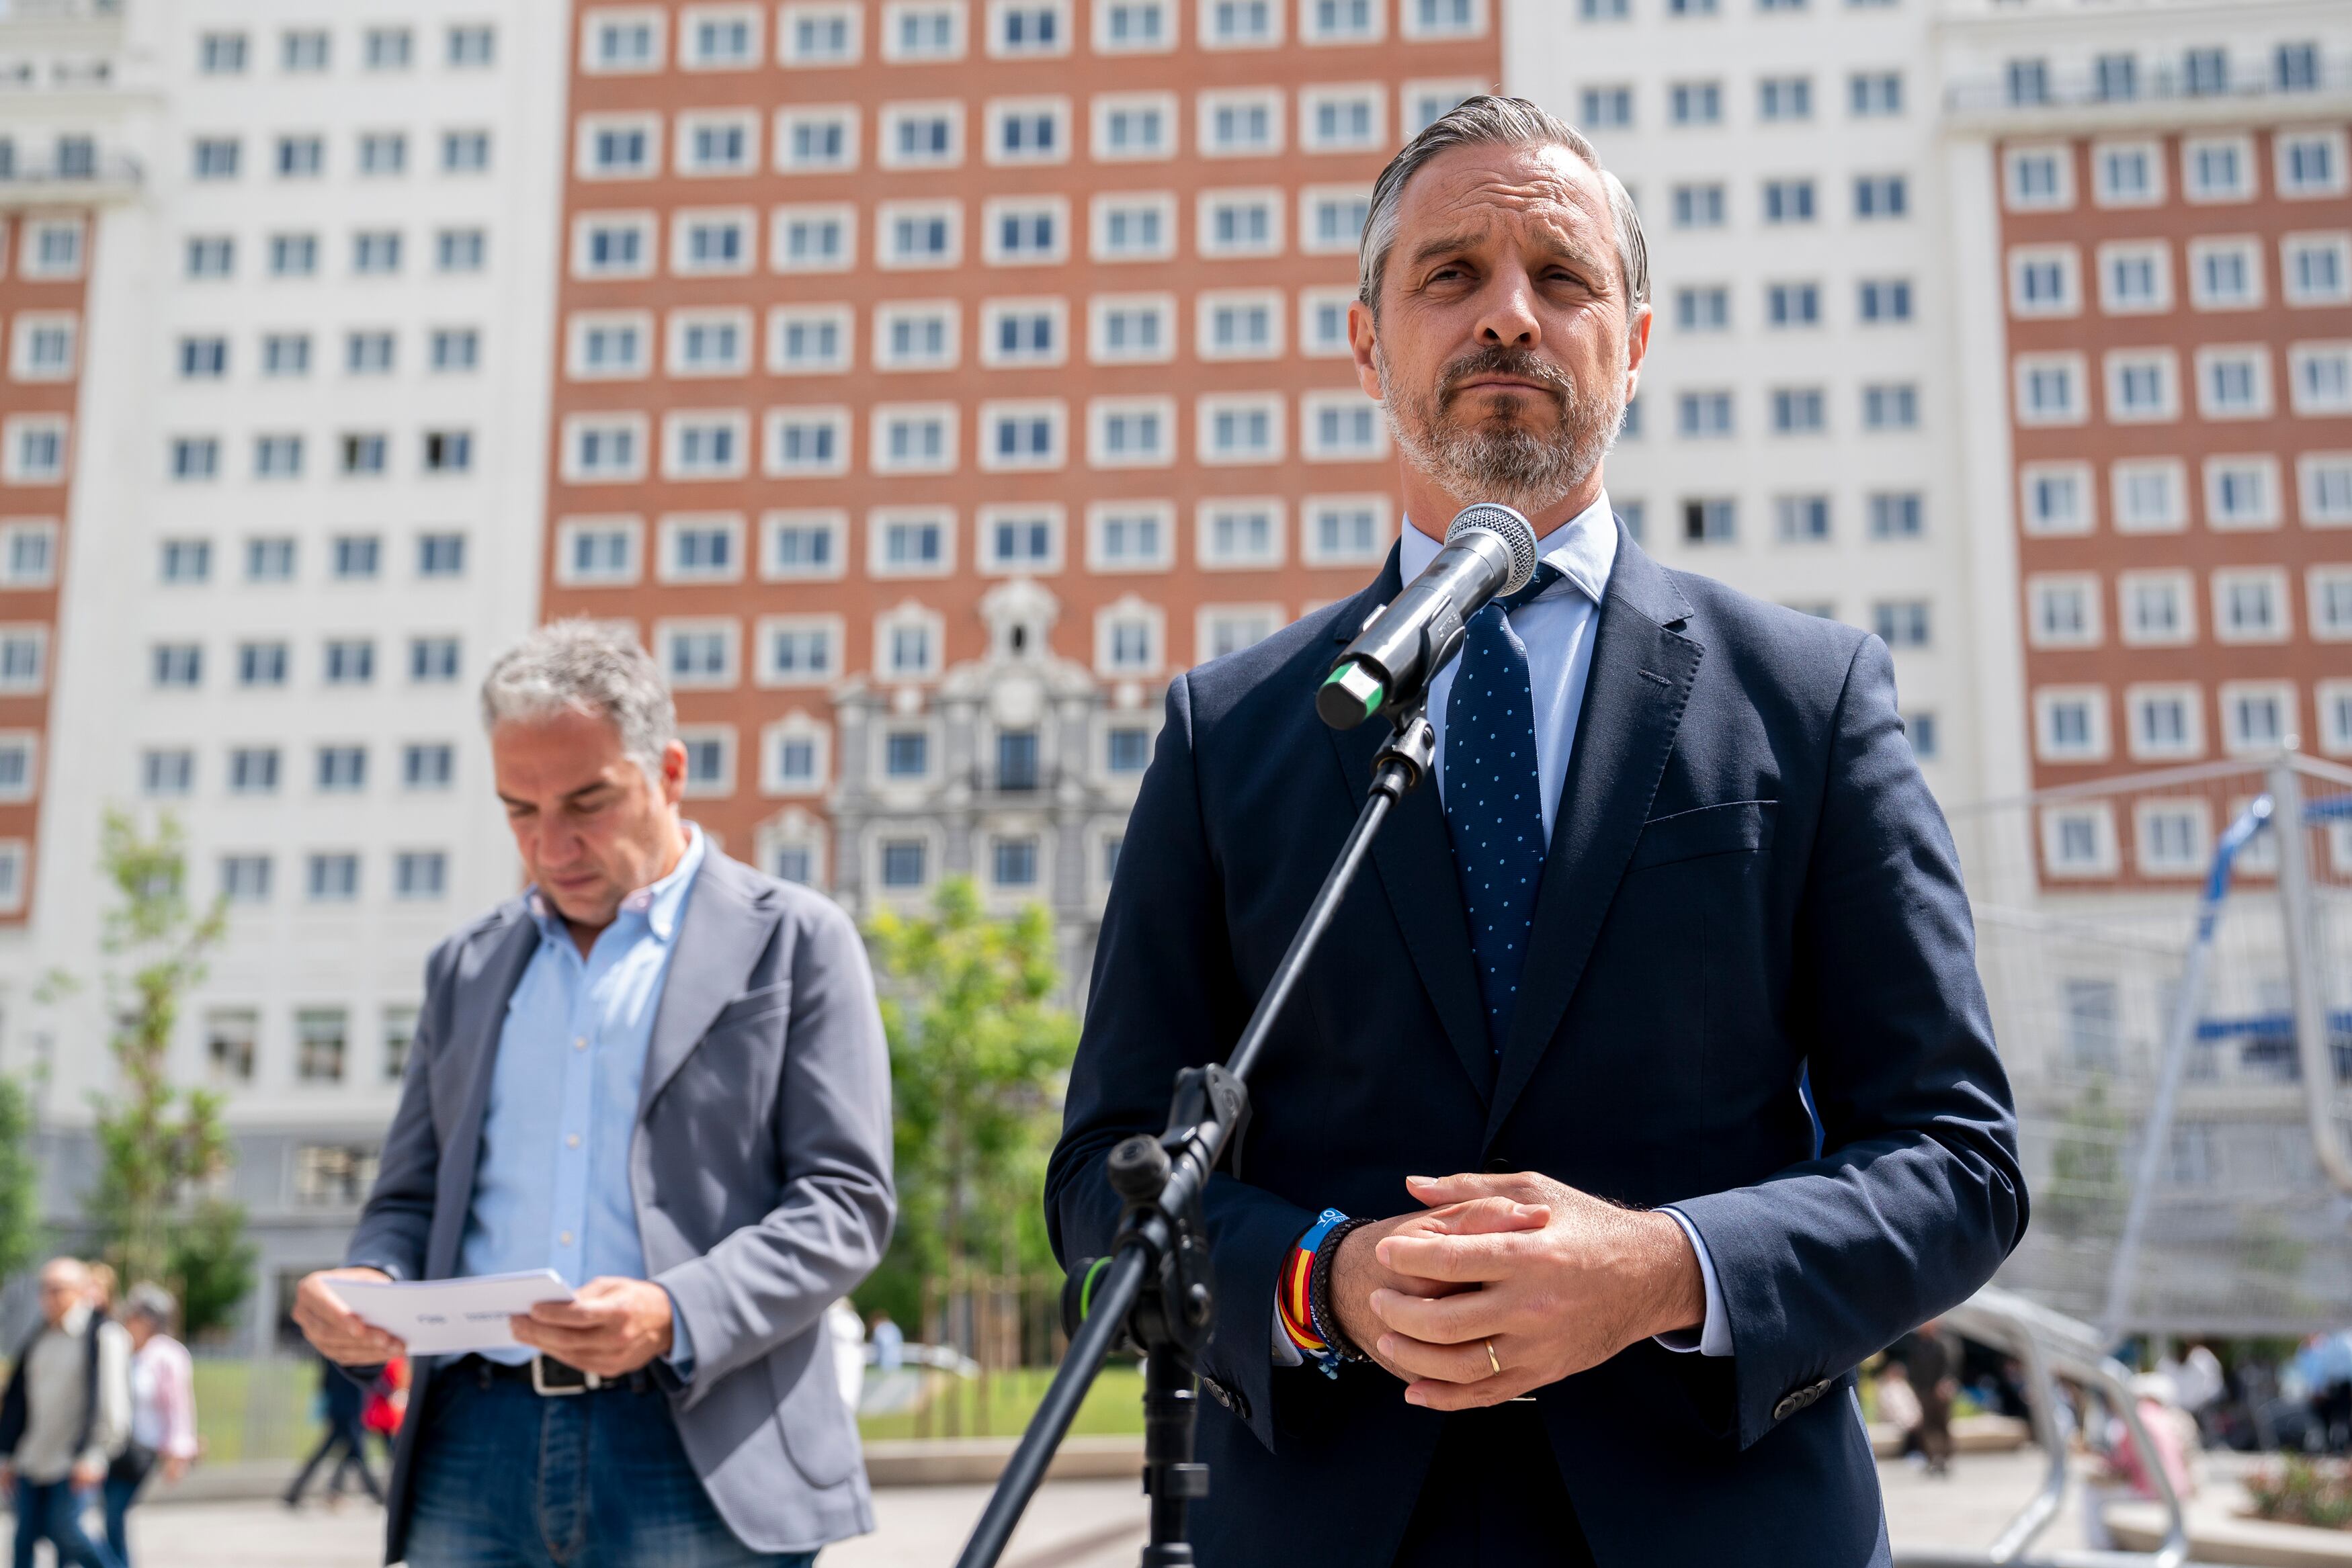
[[211, 1267], [157, 1143], [978, 1054], [20, 1177]]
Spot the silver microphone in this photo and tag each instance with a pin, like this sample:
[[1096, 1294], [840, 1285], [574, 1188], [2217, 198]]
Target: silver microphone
[[1490, 551]]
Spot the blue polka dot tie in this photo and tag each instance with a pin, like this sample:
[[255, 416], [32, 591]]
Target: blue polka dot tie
[[1493, 798]]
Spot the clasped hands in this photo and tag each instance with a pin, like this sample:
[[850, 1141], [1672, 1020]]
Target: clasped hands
[[1505, 1284]]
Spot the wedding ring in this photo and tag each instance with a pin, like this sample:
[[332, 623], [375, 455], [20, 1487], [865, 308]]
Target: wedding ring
[[1492, 1360]]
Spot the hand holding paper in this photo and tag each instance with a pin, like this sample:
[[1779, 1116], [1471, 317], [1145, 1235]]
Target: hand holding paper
[[445, 1317]]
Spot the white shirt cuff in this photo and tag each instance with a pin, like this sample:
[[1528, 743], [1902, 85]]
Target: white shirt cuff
[[1284, 1352], [1714, 1336]]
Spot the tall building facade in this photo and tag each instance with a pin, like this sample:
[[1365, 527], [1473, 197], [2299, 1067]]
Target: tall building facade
[[2152, 216], [1796, 434], [63, 164], [294, 493], [907, 344]]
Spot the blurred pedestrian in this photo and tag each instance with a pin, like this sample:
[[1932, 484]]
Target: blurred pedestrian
[[1931, 1357], [662, 1076], [1898, 1405], [65, 1415], [102, 1283], [342, 1399], [163, 1410], [848, 1335], [889, 1343]]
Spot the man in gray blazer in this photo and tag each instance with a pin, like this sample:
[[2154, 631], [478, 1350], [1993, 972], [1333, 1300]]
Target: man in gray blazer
[[663, 1075]]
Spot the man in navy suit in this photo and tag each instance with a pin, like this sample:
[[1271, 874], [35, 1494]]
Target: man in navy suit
[[1669, 964]]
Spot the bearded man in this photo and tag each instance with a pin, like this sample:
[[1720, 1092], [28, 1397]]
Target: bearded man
[[1670, 967]]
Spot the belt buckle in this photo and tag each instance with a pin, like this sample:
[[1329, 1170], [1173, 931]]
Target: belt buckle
[[541, 1386]]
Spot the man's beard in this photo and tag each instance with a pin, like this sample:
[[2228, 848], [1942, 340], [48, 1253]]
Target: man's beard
[[1496, 456]]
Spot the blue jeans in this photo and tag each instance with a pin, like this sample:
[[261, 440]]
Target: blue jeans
[[120, 1494], [54, 1509], [507, 1478]]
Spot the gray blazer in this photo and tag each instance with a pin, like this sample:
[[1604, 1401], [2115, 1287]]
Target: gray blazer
[[761, 1168]]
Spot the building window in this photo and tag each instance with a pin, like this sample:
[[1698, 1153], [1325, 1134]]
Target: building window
[[1802, 519], [334, 879], [427, 766], [1713, 520], [1241, 24], [2250, 605], [1240, 534], [2256, 715], [1239, 428], [1130, 330], [262, 664], [2241, 492], [906, 754], [699, 654], [812, 441], [922, 235], [918, 439], [1704, 415], [1014, 862], [2319, 378], [1239, 224], [1132, 536], [1883, 300], [1799, 411], [910, 544], [230, 1034], [321, 1035], [253, 770], [1133, 228], [2165, 723], [1789, 200], [187, 561], [2317, 268], [710, 761], [1890, 405], [902, 863], [1023, 540], [2072, 724], [1127, 639], [2038, 179], [799, 650], [2217, 168], [1699, 207], [2325, 480], [420, 875]]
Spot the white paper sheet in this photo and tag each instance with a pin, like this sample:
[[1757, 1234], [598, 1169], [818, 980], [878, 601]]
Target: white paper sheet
[[450, 1317]]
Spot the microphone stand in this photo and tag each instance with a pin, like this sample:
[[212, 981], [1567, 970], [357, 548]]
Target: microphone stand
[[1154, 1291]]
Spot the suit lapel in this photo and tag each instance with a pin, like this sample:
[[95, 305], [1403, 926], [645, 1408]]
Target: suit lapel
[[1643, 668], [462, 1078], [726, 922], [1414, 855]]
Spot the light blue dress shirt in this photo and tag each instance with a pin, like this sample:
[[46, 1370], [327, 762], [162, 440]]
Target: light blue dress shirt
[[552, 1185], [1557, 626]]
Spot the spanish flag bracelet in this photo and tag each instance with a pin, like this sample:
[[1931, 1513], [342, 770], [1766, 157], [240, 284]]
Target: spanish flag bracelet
[[1302, 1301]]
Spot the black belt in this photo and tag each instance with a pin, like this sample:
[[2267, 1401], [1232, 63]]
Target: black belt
[[549, 1377]]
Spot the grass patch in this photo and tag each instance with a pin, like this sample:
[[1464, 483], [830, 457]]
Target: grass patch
[[1113, 1408]]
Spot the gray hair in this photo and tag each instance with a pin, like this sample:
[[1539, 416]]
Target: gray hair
[[151, 1302], [585, 667], [1490, 121]]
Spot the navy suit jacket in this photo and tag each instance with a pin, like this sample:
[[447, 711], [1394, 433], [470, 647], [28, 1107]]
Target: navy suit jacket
[[1749, 888]]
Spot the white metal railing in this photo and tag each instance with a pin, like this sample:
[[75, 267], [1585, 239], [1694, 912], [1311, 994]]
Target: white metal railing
[[2051, 1345]]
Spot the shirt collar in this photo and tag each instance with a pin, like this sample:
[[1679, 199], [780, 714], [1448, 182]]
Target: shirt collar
[[1583, 547], [659, 904]]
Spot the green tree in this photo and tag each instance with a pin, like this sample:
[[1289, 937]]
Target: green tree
[[211, 1267], [156, 1142], [978, 1052], [20, 1176]]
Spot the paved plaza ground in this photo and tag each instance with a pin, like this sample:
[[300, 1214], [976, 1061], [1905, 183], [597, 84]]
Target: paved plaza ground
[[1076, 1524]]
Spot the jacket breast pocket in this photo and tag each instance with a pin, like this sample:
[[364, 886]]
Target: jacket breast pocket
[[764, 1002], [1735, 827]]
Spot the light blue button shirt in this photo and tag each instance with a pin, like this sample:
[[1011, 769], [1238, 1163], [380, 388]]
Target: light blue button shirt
[[552, 1185], [1557, 626]]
